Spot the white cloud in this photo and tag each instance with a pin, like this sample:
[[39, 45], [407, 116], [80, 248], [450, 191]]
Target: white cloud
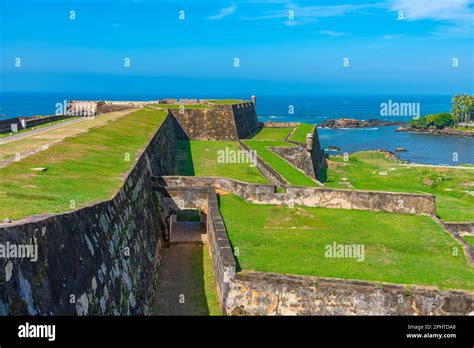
[[224, 12], [440, 10], [392, 36], [331, 33], [308, 14], [456, 16]]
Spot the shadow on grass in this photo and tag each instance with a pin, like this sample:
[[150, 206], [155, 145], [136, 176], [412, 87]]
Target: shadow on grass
[[238, 268], [184, 159]]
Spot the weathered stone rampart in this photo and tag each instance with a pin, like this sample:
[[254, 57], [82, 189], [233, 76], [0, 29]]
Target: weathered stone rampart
[[394, 202], [173, 199], [102, 259], [256, 293], [246, 120], [99, 259], [461, 227], [223, 122]]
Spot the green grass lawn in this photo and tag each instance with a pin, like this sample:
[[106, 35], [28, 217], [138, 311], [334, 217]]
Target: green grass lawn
[[201, 158], [285, 169], [363, 170], [227, 101], [469, 240], [465, 129], [86, 168], [4, 135], [398, 248], [301, 131], [273, 134]]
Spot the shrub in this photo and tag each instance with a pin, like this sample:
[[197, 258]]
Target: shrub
[[419, 123], [439, 121]]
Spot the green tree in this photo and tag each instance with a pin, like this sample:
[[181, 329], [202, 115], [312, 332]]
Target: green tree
[[443, 120], [440, 121]]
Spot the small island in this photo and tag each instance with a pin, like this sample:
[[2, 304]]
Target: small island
[[353, 123]]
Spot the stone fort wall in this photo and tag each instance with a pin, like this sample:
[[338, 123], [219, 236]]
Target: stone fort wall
[[102, 259], [224, 265], [223, 122], [393, 202], [98, 260], [260, 293]]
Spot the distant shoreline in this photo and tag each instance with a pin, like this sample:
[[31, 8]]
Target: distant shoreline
[[444, 131], [353, 123], [350, 123]]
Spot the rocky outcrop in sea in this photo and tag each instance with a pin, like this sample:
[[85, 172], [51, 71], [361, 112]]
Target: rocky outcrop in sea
[[353, 123]]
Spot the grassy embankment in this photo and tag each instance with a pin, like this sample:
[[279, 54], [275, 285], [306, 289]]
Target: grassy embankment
[[83, 169], [301, 131], [469, 240], [47, 137], [200, 158], [372, 171], [398, 248], [270, 137]]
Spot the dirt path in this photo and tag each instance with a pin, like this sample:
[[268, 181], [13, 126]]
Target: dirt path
[[180, 289], [38, 131], [23, 145]]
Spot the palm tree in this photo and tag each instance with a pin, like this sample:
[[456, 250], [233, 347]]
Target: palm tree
[[462, 107], [468, 108], [456, 110]]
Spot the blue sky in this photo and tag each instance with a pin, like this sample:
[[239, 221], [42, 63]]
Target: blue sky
[[277, 54]]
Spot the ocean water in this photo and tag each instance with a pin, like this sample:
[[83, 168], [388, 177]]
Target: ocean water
[[422, 148]]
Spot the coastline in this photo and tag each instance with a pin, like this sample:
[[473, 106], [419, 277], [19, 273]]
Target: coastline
[[345, 123], [445, 131]]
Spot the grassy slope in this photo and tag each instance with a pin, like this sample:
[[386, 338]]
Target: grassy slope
[[363, 168], [290, 173], [301, 131], [33, 142], [469, 240], [269, 137], [200, 158], [86, 168], [399, 248], [275, 134]]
